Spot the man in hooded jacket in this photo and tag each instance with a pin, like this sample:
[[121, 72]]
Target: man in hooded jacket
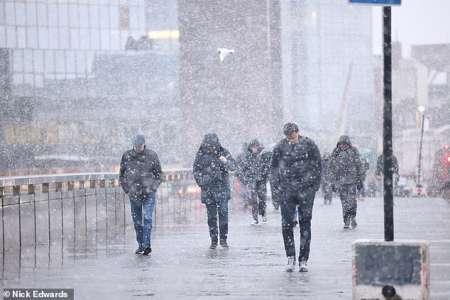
[[347, 172], [296, 162], [211, 171], [140, 177], [254, 173]]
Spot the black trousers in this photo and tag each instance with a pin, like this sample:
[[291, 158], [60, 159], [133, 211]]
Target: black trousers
[[217, 206], [304, 202], [258, 199], [348, 193]]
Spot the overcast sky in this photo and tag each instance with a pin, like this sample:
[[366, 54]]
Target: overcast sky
[[415, 22]]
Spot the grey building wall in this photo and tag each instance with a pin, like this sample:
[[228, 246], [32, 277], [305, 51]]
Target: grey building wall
[[238, 98]]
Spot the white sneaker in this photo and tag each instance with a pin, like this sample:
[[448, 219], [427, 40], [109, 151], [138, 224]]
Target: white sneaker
[[303, 267], [255, 222], [264, 219], [291, 264]]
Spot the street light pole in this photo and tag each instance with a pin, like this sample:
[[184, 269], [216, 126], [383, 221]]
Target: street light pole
[[419, 168], [387, 128]]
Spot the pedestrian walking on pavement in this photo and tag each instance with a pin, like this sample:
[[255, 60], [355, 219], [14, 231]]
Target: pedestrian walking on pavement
[[347, 173], [240, 176], [140, 177], [379, 172], [211, 171], [254, 173], [365, 166], [327, 180], [296, 161]]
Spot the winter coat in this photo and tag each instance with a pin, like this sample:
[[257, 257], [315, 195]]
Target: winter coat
[[380, 167], [253, 168], [297, 166], [210, 173], [266, 159], [327, 175], [345, 163], [140, 172]]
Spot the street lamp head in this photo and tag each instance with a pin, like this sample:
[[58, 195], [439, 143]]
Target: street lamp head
[[421, 108]]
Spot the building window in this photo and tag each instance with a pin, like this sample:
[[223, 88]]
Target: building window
[[74, 38], [63, 16], [49, 62], [21, 37], [43, 37], [38, 57], [11, 37], [42, 14], [2, 37], [28, 61], [2, 13], [74, 18], [53, 15], [31, 14], [21, 14], [10, 13], [93, 16], [32, 37]]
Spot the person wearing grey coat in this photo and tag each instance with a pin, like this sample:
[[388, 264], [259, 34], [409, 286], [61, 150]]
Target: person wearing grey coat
[[345, 166]]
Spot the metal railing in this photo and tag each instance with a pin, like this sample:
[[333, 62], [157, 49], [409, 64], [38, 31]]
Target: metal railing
[[66, 208]]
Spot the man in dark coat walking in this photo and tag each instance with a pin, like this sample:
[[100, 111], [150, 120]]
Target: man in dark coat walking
[[211, 168], [379, 172], [140, 177], [254, 173], [347, 172], [296, 162]]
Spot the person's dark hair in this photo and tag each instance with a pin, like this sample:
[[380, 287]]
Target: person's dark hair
[[289, 128]]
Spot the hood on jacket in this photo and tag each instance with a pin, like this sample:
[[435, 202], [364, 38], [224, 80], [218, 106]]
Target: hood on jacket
[[257, 144], [210, 143], [344, 140]]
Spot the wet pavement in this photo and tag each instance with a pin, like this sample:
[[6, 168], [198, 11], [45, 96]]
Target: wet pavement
[[181, 265]]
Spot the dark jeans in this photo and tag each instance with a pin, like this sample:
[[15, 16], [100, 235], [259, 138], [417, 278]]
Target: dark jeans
[[257, 194], [348, 193], [142, 214], [217, 205], [305, 201], [327, 193]]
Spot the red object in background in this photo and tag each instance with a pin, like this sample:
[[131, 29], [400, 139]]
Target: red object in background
[[441, 167]]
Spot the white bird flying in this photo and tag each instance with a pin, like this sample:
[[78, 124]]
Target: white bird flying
[[224, 52]]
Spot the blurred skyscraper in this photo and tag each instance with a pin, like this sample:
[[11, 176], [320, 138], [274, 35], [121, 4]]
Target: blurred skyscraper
[[328, 81]]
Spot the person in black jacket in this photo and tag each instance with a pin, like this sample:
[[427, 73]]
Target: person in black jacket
[[327, 180], [348, 178], [211, 168], [243, 192], [379, 172], [140, 177], [296, 161], [253, 173]]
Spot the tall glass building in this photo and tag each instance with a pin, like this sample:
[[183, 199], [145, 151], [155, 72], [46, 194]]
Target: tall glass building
[[328, 81], [58, 39], [79, 77]]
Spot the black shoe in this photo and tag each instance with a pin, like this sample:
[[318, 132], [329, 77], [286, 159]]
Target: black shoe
[[213, 245], [147, 251], [347, 223], [139, 250], [354, 224], [224, 243]]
